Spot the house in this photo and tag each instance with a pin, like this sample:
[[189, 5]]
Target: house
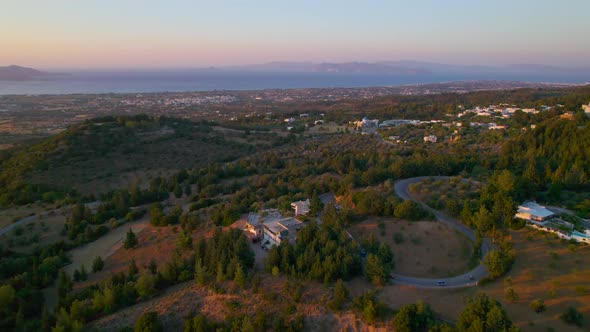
[[277, 231], [430, 138], [289, 120], [365, 123], [586, 109], [301, 207], [533, 212], [272, 227], [253, 226], [318, 122]]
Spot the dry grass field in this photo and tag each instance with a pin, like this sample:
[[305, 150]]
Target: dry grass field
[[326, 128], [42, 229], [185, 299], [545, 269], [13, 214], [437, 193], [421, 249]]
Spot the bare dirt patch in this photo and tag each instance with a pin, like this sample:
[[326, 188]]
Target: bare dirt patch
[[421, 249], [154, 243], [104, 246]]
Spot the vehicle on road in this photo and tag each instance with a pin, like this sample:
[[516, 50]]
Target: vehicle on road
[[471, 277], [441, 283], [391, 276]]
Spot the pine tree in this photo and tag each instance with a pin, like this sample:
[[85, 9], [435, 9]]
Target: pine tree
[[219, 277], [177, 191], [83, 273], [240, 277], [76, 275], [64, 284], [200, 273], [97, 264], [153, 266], [130, 240], [133, 270]]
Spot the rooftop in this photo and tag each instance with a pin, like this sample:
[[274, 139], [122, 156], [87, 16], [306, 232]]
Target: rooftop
[[534, 209], [286, 224]]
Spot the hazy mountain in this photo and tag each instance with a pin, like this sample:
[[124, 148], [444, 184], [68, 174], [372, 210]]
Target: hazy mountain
[[18, 73], [404, 67]]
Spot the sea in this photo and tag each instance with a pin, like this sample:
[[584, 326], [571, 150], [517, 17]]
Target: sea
[[146, 82]]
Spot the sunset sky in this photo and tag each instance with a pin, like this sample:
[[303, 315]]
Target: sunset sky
[[105, 34]]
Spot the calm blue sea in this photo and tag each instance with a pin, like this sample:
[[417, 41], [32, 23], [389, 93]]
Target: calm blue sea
[[131, 82]]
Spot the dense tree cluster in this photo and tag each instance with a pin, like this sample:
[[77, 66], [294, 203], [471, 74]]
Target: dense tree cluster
[[322, 252], [554, 154], [224, 256], [483, 313], [414, 318], [24, 275]]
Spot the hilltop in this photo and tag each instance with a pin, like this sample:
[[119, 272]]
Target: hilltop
[[105, 153], [18, 73]]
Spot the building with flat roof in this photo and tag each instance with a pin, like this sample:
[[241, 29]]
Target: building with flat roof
[[531, 211], [277, 231]]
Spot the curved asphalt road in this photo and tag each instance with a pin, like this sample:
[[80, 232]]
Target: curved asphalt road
[[463, 280]]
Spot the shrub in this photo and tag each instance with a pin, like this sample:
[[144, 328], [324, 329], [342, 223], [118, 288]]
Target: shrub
[[537, 305], [148, 322], [510, 294], [572, 316]]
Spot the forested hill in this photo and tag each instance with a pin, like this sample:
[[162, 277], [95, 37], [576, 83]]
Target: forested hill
[[108, 150], [555, 152]]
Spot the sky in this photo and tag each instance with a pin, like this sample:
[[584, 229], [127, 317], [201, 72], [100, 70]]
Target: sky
[[113, 34]]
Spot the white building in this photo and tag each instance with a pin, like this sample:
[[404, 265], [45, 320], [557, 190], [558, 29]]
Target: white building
[[430, 138], [494, 126], [277, 231], [365, 123], [533, 212], [398, 122], [301, 207]]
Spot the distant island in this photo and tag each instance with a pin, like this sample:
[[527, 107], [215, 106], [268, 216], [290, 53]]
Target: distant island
[[18, 73]]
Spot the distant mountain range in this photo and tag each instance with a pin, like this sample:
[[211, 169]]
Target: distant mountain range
[[404, 67], [18, 73]]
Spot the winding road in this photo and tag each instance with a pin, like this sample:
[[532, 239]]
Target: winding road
[[463, 280]]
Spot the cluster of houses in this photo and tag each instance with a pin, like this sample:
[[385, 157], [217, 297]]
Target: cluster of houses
[[502, 111], [539, 217], [367, 124]]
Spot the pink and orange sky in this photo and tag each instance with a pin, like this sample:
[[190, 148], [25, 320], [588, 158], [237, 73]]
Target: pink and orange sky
[[109, 34]]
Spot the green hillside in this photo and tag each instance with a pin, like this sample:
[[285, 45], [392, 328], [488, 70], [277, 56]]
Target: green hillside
[[111, 152]]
